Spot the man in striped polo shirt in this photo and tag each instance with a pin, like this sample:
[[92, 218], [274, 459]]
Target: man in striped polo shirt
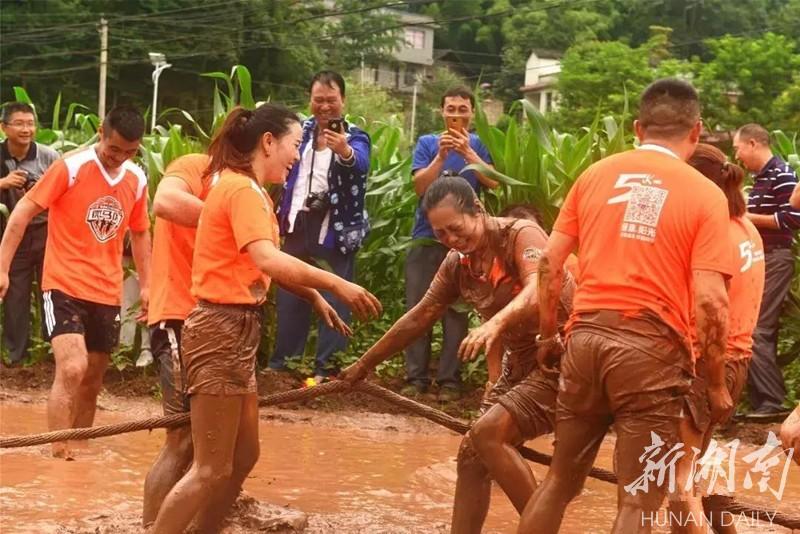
[[770, 211]]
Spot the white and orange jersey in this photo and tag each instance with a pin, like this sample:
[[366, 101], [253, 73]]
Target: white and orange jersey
[[89, 214]]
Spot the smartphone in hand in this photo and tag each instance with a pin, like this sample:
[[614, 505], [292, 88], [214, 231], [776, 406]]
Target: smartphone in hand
[[456, 123], [336, 125]]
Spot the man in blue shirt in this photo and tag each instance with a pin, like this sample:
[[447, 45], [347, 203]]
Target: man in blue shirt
[[769, 209], [434, 155]]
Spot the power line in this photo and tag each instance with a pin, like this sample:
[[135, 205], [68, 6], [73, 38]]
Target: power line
[[34, 32]]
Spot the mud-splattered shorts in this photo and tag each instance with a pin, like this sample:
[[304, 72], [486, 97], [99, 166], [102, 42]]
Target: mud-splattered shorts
[[528, 394], [629, 372], [220, 342], [165, 343], [696, 402]]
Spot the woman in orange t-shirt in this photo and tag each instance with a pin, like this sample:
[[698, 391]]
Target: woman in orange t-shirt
[[236, 255], [745, 290]]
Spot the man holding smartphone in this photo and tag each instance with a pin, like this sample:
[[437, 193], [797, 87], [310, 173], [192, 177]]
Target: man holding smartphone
[[22, 163], [437, 154], [322, 217]]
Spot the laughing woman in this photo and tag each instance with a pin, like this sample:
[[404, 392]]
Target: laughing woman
[[236, 256], [492, 265]]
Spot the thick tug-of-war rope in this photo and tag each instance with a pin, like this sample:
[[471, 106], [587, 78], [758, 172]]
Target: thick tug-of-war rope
[[715, 503]]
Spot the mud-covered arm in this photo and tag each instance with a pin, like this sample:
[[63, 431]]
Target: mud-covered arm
[[551, 279], [711, 316], [522, 308], [321, 307], [414, 323]]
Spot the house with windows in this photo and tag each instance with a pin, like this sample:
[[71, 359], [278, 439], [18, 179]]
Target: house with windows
[[413, 58], [541, 79]]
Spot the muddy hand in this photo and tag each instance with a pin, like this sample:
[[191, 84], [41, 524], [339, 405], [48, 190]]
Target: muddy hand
[[790, 435], [720, 402], [326, 312], [354, 373], [363, 303], [548, 357], [483, 337]]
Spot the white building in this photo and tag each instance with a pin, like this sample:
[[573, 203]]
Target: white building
[[413, 57], [541, 77]]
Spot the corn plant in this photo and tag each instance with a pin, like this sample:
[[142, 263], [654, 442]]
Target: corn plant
[[536, 164]]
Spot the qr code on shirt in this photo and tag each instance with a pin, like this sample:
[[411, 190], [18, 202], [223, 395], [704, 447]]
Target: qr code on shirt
[[645, 204]]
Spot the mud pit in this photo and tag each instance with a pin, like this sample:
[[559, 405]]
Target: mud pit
[[346, 472]]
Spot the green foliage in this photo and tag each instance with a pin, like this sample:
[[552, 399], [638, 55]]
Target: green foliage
[[282, 42], [746, 76], [536, 164], [594, 78]]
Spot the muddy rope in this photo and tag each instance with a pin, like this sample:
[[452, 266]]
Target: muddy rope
[[714, 503]]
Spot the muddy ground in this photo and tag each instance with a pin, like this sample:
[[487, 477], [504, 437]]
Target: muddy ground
[[135, 391], [136, 383]]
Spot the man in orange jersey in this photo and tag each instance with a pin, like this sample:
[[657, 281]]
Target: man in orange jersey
[[647, 227], [177, 206], [94, 196]]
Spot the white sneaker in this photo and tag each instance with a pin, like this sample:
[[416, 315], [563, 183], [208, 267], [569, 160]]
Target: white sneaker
[[145, 358]]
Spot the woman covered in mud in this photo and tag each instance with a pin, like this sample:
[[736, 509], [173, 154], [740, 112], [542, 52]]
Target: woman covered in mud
[[236, 256], [744, 295], [492, 265]]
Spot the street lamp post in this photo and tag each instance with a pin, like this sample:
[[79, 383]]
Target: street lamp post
[[159, 61]]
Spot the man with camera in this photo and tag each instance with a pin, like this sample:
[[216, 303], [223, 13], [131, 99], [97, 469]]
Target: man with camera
[[22, 163], [436, 155], [322, 216]]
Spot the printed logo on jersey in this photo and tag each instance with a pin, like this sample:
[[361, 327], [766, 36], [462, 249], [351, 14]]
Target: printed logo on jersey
[[644, 204], [749, 254], [104, 217]]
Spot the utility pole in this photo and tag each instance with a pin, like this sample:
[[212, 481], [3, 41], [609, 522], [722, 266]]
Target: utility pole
[[101, 99], [414, 106], [159, 62]]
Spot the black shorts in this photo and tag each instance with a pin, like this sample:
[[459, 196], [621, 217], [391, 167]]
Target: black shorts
[[165, 344], [98, 323]]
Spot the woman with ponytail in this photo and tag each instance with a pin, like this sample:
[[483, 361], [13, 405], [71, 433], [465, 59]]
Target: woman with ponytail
[[744, 295], [236, 256]]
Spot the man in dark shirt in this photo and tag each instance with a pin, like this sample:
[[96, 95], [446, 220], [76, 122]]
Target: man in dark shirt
[[22, 163], [769, 209]]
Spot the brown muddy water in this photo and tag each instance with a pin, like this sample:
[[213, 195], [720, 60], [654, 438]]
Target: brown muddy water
[[351, 472]]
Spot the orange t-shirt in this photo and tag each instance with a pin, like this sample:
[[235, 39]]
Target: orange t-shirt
[[644, 220], [89, 214], [173, 246], [236, 213], [746, 288]]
